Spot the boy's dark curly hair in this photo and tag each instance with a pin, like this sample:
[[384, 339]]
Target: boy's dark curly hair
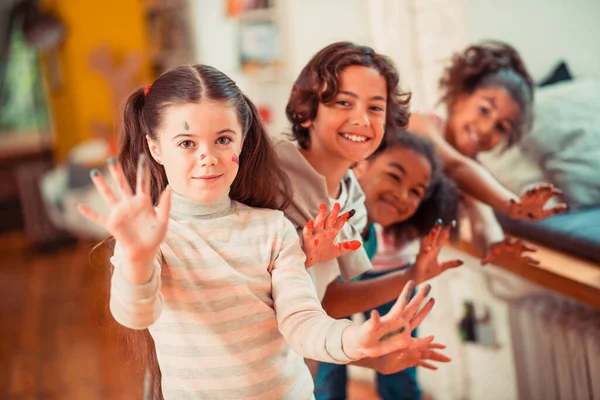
[[318, 83], [441, 199], [491, 63]]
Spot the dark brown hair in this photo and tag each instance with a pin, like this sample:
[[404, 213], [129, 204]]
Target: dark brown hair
[[441, 198], [487, 64], [260, 181], [319, 81]]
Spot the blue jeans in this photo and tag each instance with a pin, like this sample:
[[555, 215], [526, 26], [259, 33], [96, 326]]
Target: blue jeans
[[331, 379]]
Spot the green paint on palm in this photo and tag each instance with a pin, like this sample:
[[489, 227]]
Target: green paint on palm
[[390, 334], [186, 126]]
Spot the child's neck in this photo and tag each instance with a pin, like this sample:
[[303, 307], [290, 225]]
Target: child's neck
[[332, 171]]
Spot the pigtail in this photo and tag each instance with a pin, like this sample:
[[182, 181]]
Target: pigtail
[[133, 143], [260, 181]]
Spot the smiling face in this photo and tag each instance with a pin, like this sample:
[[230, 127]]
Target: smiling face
[[199, 144], [351, 127], [394, 183], [482, 120]]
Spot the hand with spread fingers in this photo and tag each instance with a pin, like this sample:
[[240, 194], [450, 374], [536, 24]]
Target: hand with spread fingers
[[383, 335], [511, 250], [427, 265], [412, 357], [132, 219], [530, 207], [319, 236]]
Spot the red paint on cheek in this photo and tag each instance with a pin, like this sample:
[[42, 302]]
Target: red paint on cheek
[[316, 242], [235, 159], [202, 156]]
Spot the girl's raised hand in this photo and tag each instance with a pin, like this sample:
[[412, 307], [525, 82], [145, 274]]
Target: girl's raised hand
[[512, 250], [412, 357], [319, 236], [530, 207], [427, 265], [384, 335], [132, 220]]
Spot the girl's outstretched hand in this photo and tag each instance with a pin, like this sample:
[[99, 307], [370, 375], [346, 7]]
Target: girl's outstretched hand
[[384, 335], [132, 220], [411, 357], [319, 236], [530, 207], [513, 250], [427, 265]]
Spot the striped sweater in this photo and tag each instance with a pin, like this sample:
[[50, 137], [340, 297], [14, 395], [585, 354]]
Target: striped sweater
[[230, 306]]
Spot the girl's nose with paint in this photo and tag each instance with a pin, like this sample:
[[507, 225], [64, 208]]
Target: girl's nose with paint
[[206, 159]]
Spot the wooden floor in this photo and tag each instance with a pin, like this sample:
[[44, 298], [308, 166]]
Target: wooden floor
[[57, 340]]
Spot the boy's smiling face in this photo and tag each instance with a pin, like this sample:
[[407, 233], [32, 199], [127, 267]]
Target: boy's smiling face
[[351, 127]]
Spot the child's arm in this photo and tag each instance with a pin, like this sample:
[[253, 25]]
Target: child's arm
[[467, 173], [138, 230], [484, 225], [135, 305], [347, 298], [474, 179], [314, 335], [490, 239]]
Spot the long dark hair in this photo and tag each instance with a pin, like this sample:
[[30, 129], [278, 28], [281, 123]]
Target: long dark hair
[[486, 64], [260, 181], [441, 199], [318, 83]]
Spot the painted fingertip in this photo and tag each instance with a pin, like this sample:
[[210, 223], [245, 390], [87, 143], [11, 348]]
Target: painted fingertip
[[94, 173], [453, 223], [322, 206], [351, 213], [352, 245], [460, 262], [530, 215], [112, 160], [439, 221], [426, 290]]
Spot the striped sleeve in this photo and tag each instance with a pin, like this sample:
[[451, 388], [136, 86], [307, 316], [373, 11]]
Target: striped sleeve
[[135, 306], [300, 316]]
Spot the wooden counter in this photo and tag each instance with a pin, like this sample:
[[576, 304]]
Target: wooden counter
[[562, 272]]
